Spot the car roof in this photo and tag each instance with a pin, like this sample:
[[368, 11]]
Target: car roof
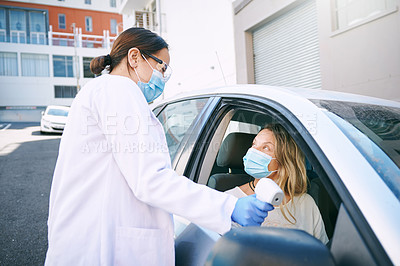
[[265, 91]]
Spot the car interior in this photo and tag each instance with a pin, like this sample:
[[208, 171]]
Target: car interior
[[227, 171]]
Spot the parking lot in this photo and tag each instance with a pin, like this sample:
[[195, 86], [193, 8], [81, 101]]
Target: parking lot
[[27, 160]]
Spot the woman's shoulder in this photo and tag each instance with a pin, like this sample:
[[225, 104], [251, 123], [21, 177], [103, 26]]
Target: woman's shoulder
[[113, 87], [304, 200], [113, 83], [95, 82]]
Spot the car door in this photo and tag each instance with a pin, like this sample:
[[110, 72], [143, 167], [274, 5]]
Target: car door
[[352, 239]]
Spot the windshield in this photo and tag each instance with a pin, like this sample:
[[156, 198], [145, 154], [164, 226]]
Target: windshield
[[375, 131], [57, 112]]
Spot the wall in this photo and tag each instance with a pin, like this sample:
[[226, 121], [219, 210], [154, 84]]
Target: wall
[[254, 14], [363, 60], [199, 32], [39, 91]]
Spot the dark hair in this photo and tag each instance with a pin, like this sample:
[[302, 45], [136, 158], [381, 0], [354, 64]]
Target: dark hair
[[140, 38]]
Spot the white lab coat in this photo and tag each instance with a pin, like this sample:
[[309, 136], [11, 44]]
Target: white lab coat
[[113, 189]]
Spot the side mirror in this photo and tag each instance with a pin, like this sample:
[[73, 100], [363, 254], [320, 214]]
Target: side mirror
[[269, 246], [42, 113]]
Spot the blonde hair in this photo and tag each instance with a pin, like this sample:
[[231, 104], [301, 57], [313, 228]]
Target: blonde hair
[[292, 176]]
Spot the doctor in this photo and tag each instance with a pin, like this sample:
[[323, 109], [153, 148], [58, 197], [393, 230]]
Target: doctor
[[113, 188]]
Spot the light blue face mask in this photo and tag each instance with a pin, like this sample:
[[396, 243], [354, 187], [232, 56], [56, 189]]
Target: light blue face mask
[[256, 163], [155, 87]]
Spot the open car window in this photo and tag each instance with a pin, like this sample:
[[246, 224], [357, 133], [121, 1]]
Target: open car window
[[176, 119], [223, 168]]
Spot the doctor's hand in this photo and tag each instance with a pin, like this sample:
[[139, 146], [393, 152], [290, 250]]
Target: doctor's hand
[[250, 211]]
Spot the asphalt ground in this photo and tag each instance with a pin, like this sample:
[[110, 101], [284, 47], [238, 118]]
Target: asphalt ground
[[27, 161]]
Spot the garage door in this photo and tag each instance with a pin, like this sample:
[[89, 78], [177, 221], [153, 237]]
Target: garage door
[[286, 49]]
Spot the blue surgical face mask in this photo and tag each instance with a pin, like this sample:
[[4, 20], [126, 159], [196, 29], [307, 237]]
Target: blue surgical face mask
[[155, 87], [256, 163]]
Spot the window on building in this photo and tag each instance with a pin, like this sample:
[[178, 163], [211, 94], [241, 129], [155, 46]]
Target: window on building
[[88, 24], [61, 21], [37, 25], [18, 26], [35, 65], [8, 64], [354, 12], [88, 2], [3, 33], [113, 26], [113, 3], [65, 91], [86, 67], [63, 66]]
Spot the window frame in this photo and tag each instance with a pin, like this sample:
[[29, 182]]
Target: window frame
[[88, 24], [65, 21], [65, 65], [62, 87], [34, 54], [362, 20], [16, 33], [113, 30], [3, 32], [84, 60], [16, 61]]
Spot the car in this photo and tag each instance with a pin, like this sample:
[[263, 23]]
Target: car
[[352, 149], [54, 119]]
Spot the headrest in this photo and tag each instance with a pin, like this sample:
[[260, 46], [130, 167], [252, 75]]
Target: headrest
[[233, 148]]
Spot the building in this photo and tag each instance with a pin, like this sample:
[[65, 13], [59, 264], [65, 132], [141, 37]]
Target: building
[[202, 51], [339, 45], [45, 51]]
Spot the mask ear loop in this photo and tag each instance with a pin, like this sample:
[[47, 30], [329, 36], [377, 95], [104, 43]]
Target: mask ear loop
[[147, 61], [153, 68], [136, 74], [273, 171]]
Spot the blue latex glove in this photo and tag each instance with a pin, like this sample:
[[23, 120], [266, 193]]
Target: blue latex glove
[[250, 211]]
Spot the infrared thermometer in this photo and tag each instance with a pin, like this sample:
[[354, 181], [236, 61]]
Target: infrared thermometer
[[268, 191]]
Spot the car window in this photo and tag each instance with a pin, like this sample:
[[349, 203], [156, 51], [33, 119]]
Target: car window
[[176, 119], [237, 126], [222, 167], [375, 132], [57, 112], [241, 126], [247, 122]]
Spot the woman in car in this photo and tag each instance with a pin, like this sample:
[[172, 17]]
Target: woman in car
[[274, 154]]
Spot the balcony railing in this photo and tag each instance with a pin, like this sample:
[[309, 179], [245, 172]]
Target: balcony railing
[[80, 40], [149, 20], [75, 39]]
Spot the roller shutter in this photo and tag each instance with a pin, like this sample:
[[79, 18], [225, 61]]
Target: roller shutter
[[286, 49]]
